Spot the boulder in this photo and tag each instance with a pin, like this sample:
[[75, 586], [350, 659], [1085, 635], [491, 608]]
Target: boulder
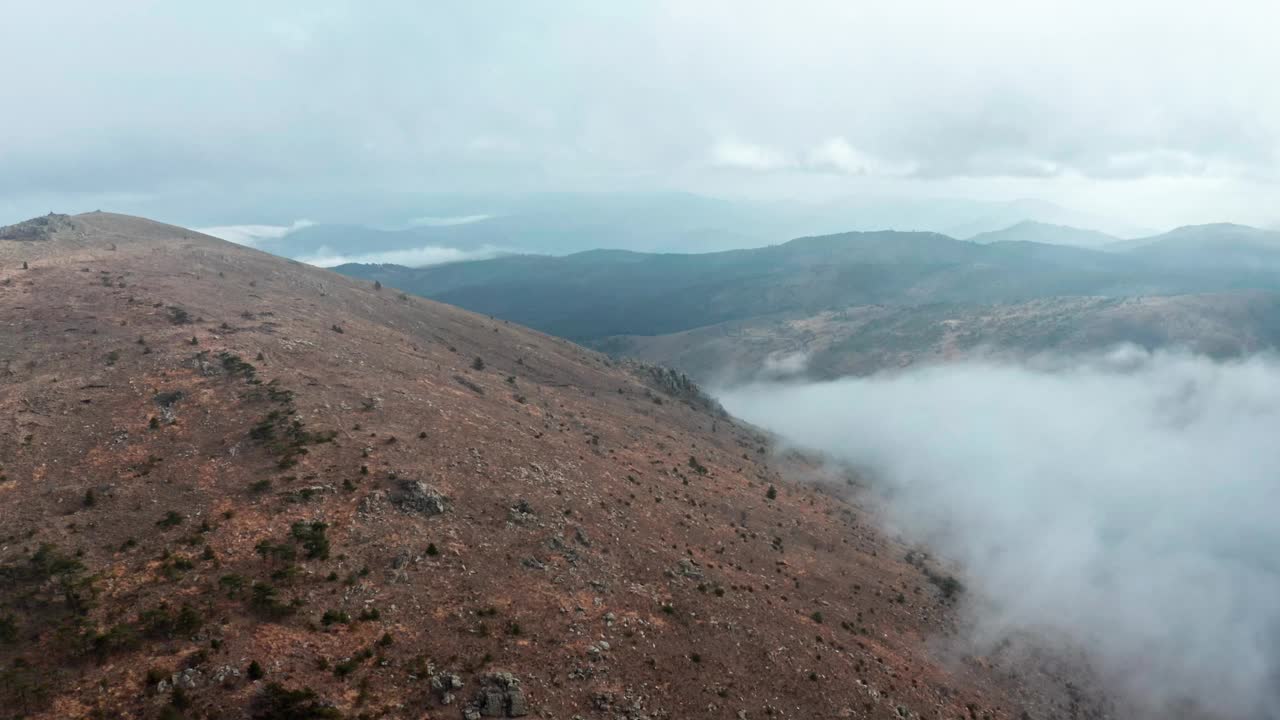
[[417, 497]]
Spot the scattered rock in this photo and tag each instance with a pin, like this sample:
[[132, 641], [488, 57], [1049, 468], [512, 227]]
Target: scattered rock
[[688, 568], [370, 504], [188, 679], [521, 513], [225, 674], [443, 684]]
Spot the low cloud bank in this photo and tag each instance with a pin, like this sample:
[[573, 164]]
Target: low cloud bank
[[413, 257], [1128, 501], [252, 234], [447, 221]]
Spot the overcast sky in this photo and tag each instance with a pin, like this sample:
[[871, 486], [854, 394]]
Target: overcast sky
[[1157, 111]]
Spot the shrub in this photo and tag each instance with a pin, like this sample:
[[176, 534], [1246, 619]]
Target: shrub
[[117, 638], [313, 539], [266, 602], [255, 671], [8, 629], [178, 315], [279, 552], [159, 622], [170, 519], [331, 617], [234, 365], [233, 584], [179, 698], [771, 493], [478, 363]]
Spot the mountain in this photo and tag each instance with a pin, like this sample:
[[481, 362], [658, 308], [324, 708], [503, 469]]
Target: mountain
[[1221, 246], [588, 296], [854, 303], [238, 486], [1047, 234]]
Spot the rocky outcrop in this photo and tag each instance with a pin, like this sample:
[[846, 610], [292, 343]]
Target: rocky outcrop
[[416, 496], [500, 695], [40, 228], [676, 385]]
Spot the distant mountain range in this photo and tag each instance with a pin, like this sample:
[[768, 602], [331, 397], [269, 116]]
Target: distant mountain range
[[599, 293], [861, 301], [563, 223]]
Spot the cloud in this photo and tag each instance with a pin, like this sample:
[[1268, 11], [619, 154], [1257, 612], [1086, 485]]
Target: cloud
[[252, 234], [837, 155], [447, 221], [730, 153], [834, 155], [782, 365], [415, 257], [1124, 501], [477, 97]]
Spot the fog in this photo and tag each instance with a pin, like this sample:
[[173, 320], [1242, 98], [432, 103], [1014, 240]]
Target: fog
[[1126, 500], [413, 257]]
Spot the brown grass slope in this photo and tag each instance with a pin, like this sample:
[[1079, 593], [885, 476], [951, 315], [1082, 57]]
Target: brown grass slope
[[211, 457]]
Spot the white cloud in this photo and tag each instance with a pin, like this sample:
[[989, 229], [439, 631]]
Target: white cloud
[[836, 154], [736, 154], [781, 365], [252, 234], [416, 257], [430, 221], [1125, 501]]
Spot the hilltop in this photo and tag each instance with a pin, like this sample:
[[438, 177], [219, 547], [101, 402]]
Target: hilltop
[[1047, 233], [233, 485]]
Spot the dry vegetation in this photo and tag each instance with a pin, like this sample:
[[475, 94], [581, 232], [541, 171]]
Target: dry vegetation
[[215, 504]]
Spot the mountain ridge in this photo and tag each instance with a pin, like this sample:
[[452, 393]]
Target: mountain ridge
[[588, 296], [237, 485]]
